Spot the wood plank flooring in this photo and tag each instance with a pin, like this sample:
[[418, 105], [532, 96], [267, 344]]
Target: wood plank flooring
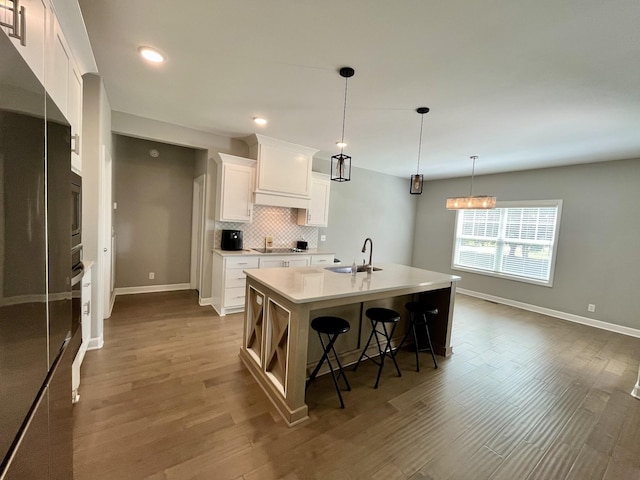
[[524, 396]]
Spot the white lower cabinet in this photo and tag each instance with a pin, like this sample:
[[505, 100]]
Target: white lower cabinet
[[322, 259], [85, 305], [275, 261], [229, 280]]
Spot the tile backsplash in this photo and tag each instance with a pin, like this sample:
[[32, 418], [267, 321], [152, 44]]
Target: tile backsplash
[[279, 223]]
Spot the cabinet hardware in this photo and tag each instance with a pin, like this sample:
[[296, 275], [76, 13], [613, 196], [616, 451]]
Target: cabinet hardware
[[76, 143], [87, 308], [18, 25], [242, 263], [88, 284]]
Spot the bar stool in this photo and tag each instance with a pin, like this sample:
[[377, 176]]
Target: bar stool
[[332, 327], [419, 316], [381, 317]]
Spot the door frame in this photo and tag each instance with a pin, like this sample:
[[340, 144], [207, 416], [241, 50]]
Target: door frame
[[197, 233]]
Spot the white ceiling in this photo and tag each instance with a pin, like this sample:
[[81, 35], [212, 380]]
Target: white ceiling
[[521, 84]]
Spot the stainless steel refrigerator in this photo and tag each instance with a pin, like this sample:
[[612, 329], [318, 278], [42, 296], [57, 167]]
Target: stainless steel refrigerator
[[35, 278]]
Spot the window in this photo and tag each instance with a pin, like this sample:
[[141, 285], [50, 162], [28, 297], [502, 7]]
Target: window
[[516, 240]]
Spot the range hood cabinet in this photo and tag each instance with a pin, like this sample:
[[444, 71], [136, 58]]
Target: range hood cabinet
[[283, 172]]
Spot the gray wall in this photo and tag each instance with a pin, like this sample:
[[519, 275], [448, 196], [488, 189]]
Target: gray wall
[[211, 144], [597, 259], [370, 205], [153, 219]]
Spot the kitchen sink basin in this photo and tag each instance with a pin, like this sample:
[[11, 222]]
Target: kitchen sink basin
[[346, 269]]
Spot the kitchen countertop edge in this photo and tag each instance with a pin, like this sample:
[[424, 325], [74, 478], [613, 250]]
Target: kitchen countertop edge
[[253, 253]]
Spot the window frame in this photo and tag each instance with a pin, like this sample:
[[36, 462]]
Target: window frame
[[508, 276]]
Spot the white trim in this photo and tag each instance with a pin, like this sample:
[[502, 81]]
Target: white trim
[[95, 343], [203, 302], [611, 327], [152, 288]]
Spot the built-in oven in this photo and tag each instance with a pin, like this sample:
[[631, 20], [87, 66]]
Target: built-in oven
[[76, 209]]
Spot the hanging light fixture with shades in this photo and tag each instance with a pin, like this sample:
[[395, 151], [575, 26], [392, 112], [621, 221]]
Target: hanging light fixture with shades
[[472, 202], [341, 163], [416, 180]]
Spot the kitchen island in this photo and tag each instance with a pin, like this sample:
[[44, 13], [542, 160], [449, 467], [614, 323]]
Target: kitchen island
[[281, 302]]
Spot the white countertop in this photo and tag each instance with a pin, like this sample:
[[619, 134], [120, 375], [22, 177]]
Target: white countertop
[[247, 252], [308, 284]]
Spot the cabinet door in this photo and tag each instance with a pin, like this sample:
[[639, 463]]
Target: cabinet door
[[284, 170], [58, 67], [298, 262], [32, 47], [318, 213], [74, 115], [237, 183], [271, 262]]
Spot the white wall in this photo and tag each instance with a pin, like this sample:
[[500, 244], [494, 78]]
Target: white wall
[[96, 132], [597, 259]]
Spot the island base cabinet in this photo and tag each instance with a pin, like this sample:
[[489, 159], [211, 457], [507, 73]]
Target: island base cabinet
[[279, 369]]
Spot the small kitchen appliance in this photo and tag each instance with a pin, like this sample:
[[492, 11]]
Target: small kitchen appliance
[[231, 240], [302, 245]]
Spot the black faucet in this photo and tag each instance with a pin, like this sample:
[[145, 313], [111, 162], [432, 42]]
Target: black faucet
[[364, 248]]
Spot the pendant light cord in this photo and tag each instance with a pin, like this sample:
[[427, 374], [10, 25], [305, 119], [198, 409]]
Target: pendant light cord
[[344, 110], [473, 171], [420, 143]]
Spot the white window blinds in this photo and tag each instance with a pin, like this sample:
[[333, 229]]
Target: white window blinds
[[516, 240]]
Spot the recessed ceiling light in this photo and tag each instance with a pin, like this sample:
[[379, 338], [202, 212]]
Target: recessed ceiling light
[[260, 120], [151, 54]]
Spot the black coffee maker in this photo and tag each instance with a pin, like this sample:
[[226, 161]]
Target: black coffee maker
[[231, 240]]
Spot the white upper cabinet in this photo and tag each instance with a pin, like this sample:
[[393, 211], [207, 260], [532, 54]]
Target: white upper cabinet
[[74, 115], [283, 172], [317, 215], [64, 84], [58, 66], [27, 31], [235, 189]]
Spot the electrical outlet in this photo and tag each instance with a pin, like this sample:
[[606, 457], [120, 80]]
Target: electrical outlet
[[323, 238], [152, 275], [591, 307]]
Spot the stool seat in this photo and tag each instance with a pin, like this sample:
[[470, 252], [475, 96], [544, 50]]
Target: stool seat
[[386, 315], [388, 320], [330, 325], [421, 308]]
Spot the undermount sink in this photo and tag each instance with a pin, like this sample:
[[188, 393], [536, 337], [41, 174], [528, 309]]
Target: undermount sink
[[345, 269]]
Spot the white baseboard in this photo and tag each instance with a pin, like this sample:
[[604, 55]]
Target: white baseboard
[[636, 390], [95, 343], [204, 302], [611, 327], [152, 288]]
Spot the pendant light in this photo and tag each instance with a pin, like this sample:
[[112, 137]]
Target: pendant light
[[472, 202], [416, 180], [341, 163]]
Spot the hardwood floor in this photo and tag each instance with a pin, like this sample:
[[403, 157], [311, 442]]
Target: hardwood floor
[[524, 396]]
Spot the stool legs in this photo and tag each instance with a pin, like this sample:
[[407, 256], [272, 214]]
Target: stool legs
[[412, 329], [387, 351], [329, 347]]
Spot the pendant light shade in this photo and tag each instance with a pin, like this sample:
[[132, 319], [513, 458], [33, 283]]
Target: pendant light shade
[[416, 180], [341, 163], [472, 202]]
